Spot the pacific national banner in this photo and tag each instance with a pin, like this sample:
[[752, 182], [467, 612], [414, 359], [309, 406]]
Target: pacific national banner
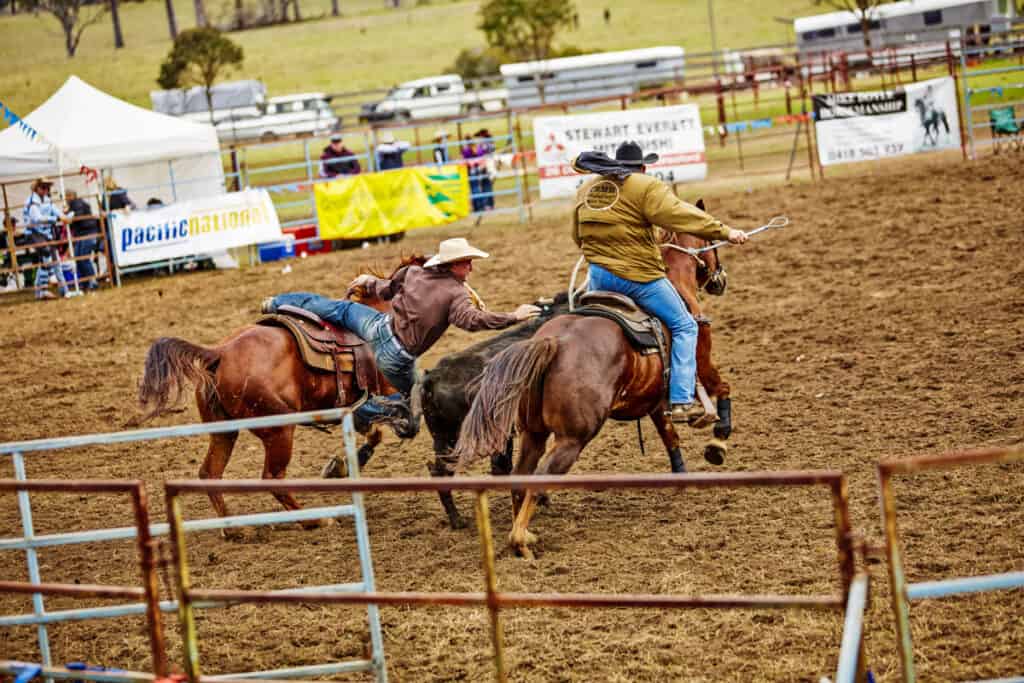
[[861, 126], [198, 226], [376, 204], [674, 133]]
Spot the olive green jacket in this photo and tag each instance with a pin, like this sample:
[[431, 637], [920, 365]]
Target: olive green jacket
[[613, 223]]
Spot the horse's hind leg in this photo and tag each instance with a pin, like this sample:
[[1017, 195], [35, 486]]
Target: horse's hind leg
[[670, 438], [564, 453], [217, 457], [277, 444], [718, 388]]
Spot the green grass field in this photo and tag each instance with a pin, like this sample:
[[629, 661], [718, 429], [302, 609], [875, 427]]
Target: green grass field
[[370, 46]]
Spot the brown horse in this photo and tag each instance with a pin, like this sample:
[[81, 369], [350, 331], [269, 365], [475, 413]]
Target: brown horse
[[255, 371], [573, 375]]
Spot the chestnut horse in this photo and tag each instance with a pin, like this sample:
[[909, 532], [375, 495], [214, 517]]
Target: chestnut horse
[[256, 371], [574, 374]]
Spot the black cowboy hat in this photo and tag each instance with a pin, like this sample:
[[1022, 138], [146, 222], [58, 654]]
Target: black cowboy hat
[[630, 154]]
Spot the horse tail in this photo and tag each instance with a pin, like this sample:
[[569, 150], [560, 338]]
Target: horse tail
[[170, 364], [512, 374]]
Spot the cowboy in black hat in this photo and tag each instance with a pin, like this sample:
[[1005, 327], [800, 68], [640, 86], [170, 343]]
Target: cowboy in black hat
[[616, 212]]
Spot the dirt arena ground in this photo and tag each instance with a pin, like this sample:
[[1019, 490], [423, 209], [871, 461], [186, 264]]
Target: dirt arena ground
[[886, 321]]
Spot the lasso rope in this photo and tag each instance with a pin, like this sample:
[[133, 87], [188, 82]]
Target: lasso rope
[[776, 222]]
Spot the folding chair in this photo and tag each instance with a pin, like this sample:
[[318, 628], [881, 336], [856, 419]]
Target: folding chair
[[1005, 129]]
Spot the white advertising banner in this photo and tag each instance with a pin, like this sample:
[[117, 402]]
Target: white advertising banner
[[198, 226], [673, 133], [861, 126]]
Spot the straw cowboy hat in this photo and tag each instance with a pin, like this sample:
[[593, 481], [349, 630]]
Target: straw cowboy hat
[[40, 181], [452, 250], [630, 154], [387, 137]]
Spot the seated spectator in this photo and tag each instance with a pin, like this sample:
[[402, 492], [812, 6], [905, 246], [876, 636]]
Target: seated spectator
[[42, 221], [116, 196], [337, 159], [85, 229], [389, 152], [441, 146]]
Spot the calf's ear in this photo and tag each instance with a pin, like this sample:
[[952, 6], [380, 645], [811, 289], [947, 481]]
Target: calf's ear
[[700, 204]]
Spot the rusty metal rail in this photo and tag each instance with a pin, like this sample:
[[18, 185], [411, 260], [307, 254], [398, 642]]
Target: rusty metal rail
[[902, 591], [149, 592], [491, 598]]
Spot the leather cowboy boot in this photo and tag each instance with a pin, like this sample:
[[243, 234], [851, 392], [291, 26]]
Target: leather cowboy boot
[[686, 412]]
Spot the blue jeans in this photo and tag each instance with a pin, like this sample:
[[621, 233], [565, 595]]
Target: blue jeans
[[85, 267], [48, 264], [373, 327], [660, 299]]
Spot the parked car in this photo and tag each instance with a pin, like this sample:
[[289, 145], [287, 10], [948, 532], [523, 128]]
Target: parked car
[[241, 111], [434, 97], [306, 113]]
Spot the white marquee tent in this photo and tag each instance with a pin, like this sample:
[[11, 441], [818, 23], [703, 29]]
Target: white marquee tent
[[149, 154]]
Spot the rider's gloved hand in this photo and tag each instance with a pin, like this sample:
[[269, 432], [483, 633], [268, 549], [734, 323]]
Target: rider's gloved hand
[[737, 236], [526, 311]]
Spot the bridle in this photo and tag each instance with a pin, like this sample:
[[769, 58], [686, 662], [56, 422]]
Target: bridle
[[714, 281]]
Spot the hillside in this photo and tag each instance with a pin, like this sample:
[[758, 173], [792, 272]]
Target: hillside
[[369, 46]]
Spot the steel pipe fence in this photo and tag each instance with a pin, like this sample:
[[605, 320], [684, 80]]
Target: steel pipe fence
[[144, 532], [985, 98], [852, 591], [903, 592]]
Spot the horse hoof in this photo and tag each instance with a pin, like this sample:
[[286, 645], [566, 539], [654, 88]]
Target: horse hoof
[[543, 500], [233, 535], [457, 522], [714, 452], [521, 546], [334, 469]]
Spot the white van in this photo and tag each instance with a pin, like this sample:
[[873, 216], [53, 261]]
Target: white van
[[433, 97], [305, 113]]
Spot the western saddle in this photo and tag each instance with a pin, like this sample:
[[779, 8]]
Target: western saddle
[[326, 348]]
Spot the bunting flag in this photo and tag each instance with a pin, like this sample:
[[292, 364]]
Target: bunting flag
[[15, 121]]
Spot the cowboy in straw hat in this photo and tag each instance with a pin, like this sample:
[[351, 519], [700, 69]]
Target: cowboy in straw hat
[[424, 301], [390, 151], [614, 224], [41, 220]]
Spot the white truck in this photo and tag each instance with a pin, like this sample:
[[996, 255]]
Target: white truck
[[241, 111], [433, 97]]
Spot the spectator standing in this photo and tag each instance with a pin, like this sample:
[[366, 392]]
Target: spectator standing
[[485, 168], [42, 219], [337, 159], [117, 197], [470, 155], [441, 146], [390, 151], [85, 229]]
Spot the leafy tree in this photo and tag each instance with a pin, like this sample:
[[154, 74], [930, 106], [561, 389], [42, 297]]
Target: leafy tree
[[524, 29], [199, 56], [473, 63], [863, 9], [74, 17]]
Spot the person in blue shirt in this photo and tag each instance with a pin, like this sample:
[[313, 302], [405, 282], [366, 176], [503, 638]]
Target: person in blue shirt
[[42, 222]]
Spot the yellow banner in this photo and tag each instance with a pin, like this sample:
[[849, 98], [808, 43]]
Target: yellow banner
[[375, 204]]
